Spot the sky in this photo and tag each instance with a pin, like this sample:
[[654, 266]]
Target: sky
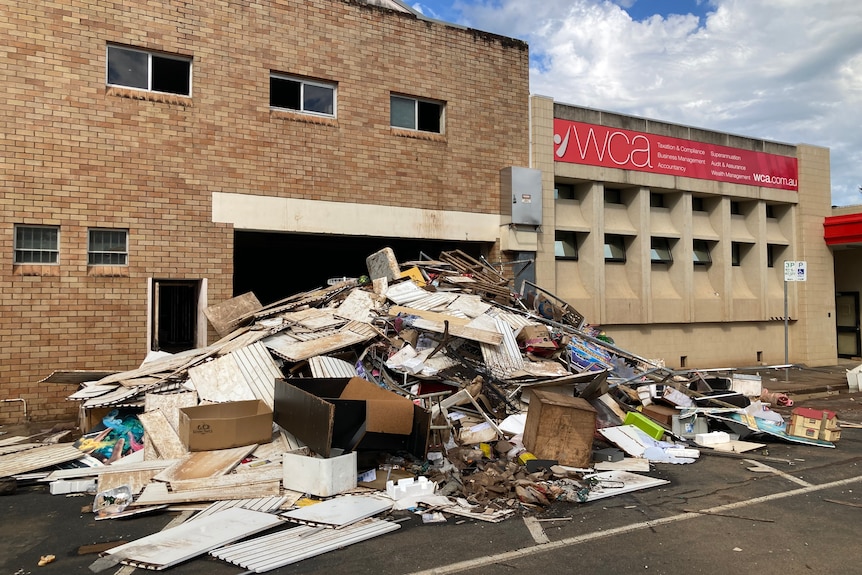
[[782, 70]]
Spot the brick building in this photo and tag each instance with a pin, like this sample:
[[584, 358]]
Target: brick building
[[161, 157]]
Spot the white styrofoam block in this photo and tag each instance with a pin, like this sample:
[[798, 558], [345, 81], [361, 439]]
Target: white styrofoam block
[[712, 438], [408, 487], [683, 452], [318, 476], [62, 486]]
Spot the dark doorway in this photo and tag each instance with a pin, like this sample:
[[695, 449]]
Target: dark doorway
[[175, 304], [847, 323], [274, 266]]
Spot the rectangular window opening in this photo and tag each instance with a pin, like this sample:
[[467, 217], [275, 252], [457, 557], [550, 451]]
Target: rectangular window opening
[[701, 253], [142, 70], [564, 191], [615, 248], [660, 251], [656, 200], [613, 196], [107, 247], [302, 95], [37, 244], [565, 245], [415, 114], [697, 204]]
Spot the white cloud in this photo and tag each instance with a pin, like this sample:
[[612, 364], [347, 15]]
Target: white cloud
[[784, 70]]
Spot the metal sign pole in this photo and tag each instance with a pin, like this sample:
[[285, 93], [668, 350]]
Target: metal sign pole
[[786, 361]]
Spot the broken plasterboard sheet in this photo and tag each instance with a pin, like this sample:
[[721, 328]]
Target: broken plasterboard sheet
[[246, 373], [610, 483], [405, 292], [157, 493], [625, 464], [289, 546], [202, 464], [135, 480], [228, 315], [470, 305], [339, 511], [295, 351], [463, 331], [177, 544], [358, 306], [314, 319]]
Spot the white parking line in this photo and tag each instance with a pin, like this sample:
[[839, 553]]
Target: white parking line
[[536, 530], [762, 467], [577, 540]]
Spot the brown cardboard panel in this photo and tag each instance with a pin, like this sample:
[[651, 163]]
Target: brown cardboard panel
[[386, 412], [225, 425], [560, 427]]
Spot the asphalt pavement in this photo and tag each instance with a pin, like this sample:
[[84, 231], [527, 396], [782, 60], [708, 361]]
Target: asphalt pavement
[[782, 509]]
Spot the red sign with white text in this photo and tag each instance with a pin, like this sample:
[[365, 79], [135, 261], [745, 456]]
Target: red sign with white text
[[593, 145]]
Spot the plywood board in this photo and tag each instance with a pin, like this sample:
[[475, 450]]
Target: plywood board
[[300, 350], [172, 546], [136, 480], [202, 464], [227, 315], [465, 332], [161, 435], [231, 480], [357, 306], [169, 404]]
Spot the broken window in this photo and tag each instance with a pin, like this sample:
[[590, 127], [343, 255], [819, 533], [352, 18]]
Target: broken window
[[415, 114], [37, 244], [701, 253], [301, 95], [615, 248], [659, 252], [142, 70], [107, 247], [565, 245]]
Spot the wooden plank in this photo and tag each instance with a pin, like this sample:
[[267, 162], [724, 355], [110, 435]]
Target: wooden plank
[[297, 351], [116, 467], [162, 435], [429, 315], [37, 458], [202, 464]]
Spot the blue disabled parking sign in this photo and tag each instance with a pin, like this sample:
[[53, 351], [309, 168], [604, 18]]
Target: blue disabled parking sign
[[794, 271]]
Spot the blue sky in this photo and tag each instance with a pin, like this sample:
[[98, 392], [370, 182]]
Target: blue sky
[[783, 70]]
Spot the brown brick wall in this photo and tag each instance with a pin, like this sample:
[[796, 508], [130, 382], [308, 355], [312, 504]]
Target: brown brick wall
[[78, 155]]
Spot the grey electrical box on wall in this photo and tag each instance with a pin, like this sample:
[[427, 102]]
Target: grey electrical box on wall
[[521, 195]]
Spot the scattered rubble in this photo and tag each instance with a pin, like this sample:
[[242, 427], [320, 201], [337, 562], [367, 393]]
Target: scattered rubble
[[428, 386]]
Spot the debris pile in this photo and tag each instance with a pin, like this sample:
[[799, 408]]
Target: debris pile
[[428, 386]]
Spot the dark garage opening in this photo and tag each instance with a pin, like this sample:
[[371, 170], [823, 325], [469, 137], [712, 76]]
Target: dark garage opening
[[274, 266]]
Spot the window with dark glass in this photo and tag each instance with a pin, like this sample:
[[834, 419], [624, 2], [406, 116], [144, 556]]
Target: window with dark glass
[[301, 95], [415, 114], [615, 248], [613, 196], [736, 208], [659, 252], [697, 204], [565, 245], [564, 191], [37, 244], [701, 252], [656, 200], [735, 254], [150, 71]]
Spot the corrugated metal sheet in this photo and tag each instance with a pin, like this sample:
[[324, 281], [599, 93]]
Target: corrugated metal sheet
[[262, 504], [290, 546], [405, 292], [325, 366], [506, 358]]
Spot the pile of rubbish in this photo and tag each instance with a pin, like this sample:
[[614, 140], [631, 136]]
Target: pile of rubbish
[[429, 386]]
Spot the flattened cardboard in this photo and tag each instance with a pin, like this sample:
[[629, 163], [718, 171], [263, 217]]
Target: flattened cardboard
[[225, 425], [349, 414]]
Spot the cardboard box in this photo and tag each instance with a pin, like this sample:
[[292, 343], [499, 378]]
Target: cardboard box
[[350, 414], [225, 425], [660, 413], [560, 427]]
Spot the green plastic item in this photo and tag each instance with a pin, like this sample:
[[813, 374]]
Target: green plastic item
[[645, 424]]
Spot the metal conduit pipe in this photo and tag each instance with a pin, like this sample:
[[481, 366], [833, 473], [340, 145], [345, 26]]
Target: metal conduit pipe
[[21, 399]]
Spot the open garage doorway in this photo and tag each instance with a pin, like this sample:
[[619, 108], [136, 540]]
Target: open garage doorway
[[277, 265]]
